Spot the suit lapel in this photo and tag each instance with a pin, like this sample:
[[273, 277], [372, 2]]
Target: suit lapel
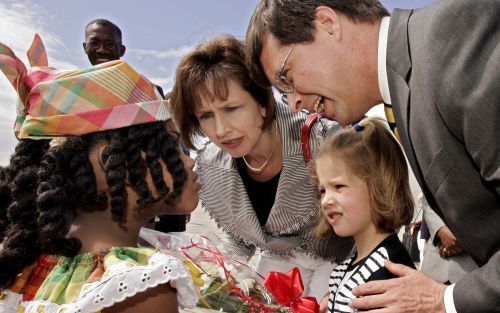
[[398, 73], [399, 69]]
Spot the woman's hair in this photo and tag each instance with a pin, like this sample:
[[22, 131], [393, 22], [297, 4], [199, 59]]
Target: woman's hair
[[372, 153], [204, 74], [51, 186]]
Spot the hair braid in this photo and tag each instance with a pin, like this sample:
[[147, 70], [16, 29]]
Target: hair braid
[[136, 166], [83, 176], [152, 159], [170, 153], [5, 199], [55, 203], [20, 245], [115, 158]]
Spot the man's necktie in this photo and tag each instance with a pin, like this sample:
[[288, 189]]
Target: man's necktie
[[389, 114]]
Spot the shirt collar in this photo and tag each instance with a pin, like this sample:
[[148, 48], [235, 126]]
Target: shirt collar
[[383, 82]]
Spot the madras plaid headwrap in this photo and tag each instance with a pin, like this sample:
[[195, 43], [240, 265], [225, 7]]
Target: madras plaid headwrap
[[54, 103]]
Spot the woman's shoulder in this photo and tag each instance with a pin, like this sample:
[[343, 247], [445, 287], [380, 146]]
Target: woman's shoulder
[[291, 127], [211, 155], [94, 281]]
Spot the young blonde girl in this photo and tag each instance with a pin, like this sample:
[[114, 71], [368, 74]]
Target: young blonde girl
[[363, 181]]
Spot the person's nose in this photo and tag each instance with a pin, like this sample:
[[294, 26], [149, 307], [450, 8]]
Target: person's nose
[[327, 200], [101, 48], [294, 101], [221, 126]]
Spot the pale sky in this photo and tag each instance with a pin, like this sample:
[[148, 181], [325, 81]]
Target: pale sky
[[156, 33]]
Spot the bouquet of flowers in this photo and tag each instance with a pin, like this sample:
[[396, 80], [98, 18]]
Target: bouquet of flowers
[[229, 286], [226, 284]]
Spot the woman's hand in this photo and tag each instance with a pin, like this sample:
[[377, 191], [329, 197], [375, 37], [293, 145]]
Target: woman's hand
[[449, 244]]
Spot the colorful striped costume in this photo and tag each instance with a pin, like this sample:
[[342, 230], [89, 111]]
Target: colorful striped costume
[[90, 282]]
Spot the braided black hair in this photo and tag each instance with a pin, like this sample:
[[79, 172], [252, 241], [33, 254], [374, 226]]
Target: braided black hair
[[19, 216], [5, 200], [115, 165], [67, 182]]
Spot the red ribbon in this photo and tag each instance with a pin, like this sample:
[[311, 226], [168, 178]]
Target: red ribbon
[[287, 289]]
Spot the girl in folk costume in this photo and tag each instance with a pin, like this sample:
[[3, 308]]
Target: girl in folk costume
[[363, 181], [98, 157]]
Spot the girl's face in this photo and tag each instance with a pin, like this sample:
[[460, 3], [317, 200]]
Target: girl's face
[[234, 124], [188, 200], [345, 201]]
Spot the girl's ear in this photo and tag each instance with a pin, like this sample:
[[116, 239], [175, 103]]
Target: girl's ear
[[96, 159], [100, 156], [100, 152]]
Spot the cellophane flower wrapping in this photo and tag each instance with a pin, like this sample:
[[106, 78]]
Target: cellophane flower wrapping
[[224, 283]]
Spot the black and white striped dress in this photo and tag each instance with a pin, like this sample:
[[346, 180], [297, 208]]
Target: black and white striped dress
[[346, 276]]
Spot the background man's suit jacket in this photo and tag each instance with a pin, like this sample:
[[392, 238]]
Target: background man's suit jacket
[[443, 66]]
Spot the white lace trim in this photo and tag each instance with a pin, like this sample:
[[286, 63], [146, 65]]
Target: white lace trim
[[122, 280], [10, 302]]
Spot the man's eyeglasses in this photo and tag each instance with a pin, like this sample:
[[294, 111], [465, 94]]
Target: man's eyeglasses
[[282, 83]]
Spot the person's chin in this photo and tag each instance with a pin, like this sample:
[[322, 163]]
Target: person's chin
[[328, 110], [234, 152], [339, 231], [193, 204], [100, 61]]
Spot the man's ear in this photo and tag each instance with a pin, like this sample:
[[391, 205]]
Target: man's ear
[[123, 49], [84, 47], [327, 19]]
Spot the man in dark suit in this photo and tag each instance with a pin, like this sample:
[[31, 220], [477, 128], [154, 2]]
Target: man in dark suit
[[439, 69], [103, 43]]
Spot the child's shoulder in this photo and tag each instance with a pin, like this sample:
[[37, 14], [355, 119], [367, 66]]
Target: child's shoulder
[[392, 249], [397, 252], [93, 281]]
